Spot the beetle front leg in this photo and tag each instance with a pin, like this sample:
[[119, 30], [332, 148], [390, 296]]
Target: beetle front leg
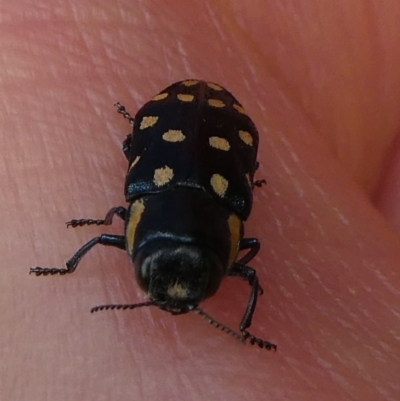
[[239, 268], [117, 241], [253, 244], [120, 211], [249, 274]]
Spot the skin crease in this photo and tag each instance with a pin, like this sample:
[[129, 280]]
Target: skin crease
[[321, 81]]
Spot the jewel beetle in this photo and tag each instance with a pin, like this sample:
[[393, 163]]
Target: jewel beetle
[[191, 165]]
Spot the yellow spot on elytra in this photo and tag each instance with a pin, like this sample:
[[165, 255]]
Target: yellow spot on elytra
[[219, 184], [235, 228], [160, 96], [185, 97], [135, 215], [246, 137], [219, 143], [137, 158], [215, 86], [190, 82], [148, 121], [177, 291], [216, 103], [173, 135], [239, 108], [162, 175]]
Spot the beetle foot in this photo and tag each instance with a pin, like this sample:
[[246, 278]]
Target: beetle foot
[[43, 271], [85, 222], [258, 341]]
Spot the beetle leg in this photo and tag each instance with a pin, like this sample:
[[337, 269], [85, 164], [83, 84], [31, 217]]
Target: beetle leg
[[255, 340], [105, 239], [248, 243], [259, 183], [120, 211], [239, 268], [246, 273], [122, 110], [250, 274], [126, 146]]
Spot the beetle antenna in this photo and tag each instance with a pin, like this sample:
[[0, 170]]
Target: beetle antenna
[[218, 325], [122, 110], [120, 306]]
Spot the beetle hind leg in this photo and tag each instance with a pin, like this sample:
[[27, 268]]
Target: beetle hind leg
[[259, 183], [126, 146], [122, 110]]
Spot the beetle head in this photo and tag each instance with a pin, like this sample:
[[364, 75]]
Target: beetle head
[[177, 276]]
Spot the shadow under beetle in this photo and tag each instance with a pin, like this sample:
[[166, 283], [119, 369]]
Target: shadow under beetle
[[192, 158]]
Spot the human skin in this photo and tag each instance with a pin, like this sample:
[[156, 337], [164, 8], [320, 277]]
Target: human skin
[[321, 81]]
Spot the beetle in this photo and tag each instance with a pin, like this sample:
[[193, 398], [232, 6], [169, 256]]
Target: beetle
[[191, 165]]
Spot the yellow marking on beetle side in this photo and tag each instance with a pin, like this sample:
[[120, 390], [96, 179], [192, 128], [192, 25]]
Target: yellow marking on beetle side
[[162, 175], [239, 108], [216, 103], [160, 96], [249, 180], [246, 137], [173, 135], [235, 228], [185, 97], [171, 309], [148, 121], [134, 163], [178, 291], [219, 143], [215, 86], [136, 212], [190, 82], [219, 184]]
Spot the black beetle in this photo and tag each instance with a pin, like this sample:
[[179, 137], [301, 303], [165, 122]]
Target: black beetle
[[192, 159]]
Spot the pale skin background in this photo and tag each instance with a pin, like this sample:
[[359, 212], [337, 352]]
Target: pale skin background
[[321, 79]]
